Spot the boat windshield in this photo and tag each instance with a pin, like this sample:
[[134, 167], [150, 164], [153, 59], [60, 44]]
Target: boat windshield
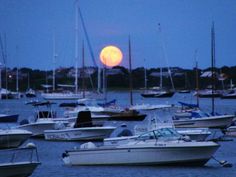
[[163, 133]]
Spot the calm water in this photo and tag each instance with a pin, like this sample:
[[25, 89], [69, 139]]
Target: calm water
[[50, 152]]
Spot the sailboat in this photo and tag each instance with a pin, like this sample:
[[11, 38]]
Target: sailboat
[[192, 117], [160, 92], [185, 90], [231, 93], [128, 114], [30, 93], [19, 162], [65, 95]]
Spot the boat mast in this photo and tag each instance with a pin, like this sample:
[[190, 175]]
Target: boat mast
[[83, 71], [28, 81], [105, 82], [197, 84], [4, 60], [130, 75], [165, 57], [145, 76], [76, 45], [99, 80], [54, 63], [0, 78], [213, 67], [17, 79], [161, 78]]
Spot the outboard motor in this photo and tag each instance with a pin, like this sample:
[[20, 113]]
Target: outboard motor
[[83, 119]]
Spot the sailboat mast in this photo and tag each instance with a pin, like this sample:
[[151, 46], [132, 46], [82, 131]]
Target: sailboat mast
[[0, 76], [76, 77], [99, 80], [54, 63], [197, 84], [76, 45], [105, 83], [17, 80], [130, 75], [161, 78], [213, 66], [28, 81], [83, 72], [145, 77], [5, 59]]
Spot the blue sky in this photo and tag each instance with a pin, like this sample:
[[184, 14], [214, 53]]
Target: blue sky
[[29, 26]]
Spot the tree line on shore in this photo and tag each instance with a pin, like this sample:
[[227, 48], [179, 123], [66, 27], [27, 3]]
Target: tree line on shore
[[182, 78]]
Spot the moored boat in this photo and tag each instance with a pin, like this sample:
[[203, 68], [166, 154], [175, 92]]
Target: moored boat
[[20, 162], [83, 129], [8, 117], [158, 147], [12, 138]]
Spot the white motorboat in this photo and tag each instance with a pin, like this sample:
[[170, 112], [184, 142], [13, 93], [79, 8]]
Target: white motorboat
[[217, 121], [77, 134], [61, 96], [20, 162], [44, 120], [37, 128], [150, 106], [82, 130], [193, 117], [12, 138], [158, 147], [231, 131]]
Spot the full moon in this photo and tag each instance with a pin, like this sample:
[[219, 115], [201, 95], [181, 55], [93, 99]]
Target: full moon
[[111, 56]]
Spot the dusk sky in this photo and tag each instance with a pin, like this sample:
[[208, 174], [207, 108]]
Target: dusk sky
[[29, 26]]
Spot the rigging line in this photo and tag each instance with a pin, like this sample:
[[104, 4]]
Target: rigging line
[[87, 37], [2, 50], [165, 55]]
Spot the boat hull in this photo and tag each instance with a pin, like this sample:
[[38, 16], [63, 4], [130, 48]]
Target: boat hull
[[79, 134], [158, 95], [38, 129], [21, 169], [61, 96], [9, 118], [156, 155], [205, 122], [13, 140], [231, 131], [228, 96]]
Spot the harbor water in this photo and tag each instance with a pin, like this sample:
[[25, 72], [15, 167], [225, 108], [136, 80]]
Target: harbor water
[[50, 152]]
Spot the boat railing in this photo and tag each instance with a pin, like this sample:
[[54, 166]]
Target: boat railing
[[16, 155]]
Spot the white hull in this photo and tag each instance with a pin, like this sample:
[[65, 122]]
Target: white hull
[[73, 134], [59, 96], [20, 169], [205, 122], [197, 153], [38, 128], [13, 138], [231, 131]]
